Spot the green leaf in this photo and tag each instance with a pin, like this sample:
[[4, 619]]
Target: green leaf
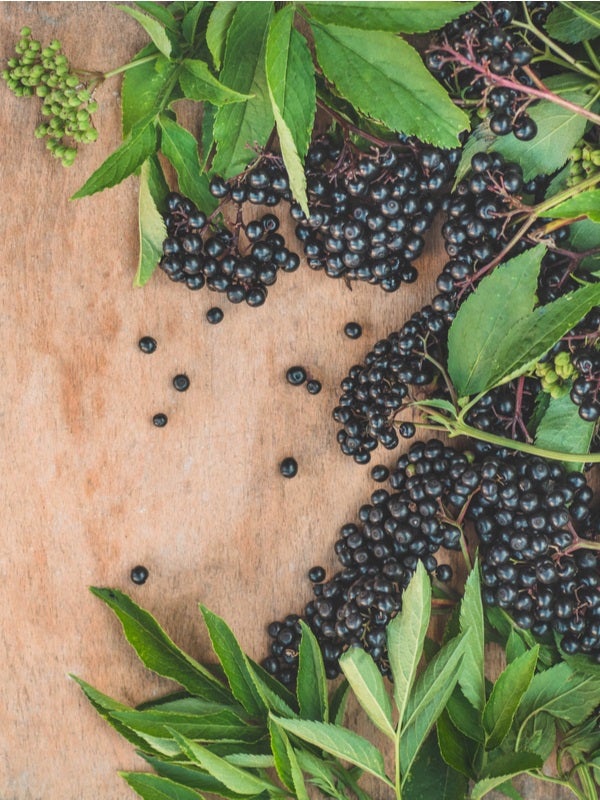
[[274, 692], [157, 651], [286, 762], [515, 646], [152, 228], [216, 30], [539, 735], [455, 749], [142, 88], [311, 685], [585, 235], [236, 666], [500, 302], [292, 90], [154, 787], [198, 83], [509, 790], [385, 79], [481, 139], [412, 17], [506, 696], [340, 742], [503, 769], [582, 204], [574, 22], [405, 636], [562, 429], [124, 161], [159, 12], [338, 702], [564, 694], [240, 127], [472, 678], [367, 684], [431, 777], [192, 776], [464, 716], [106, 706], [236, 778], [428, 699], [190, 22], [559, 130], [153, 28], [181, 148]]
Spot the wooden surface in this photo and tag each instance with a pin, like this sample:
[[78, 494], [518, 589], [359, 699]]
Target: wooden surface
[[90, 488]]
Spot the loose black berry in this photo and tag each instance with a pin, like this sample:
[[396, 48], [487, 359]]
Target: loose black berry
[[160, 420], [296, 376], [147, 344], [214, 315], [181, 383], [314, 387], [289, 467], [353, 330]]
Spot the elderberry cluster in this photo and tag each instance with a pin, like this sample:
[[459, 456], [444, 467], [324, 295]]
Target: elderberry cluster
[[200, 253], [538, 546], [369, 212], [482, 56], [67, 104]]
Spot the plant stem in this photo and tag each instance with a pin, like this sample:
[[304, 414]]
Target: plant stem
[[549, 779], [130, 65], [592, 55]]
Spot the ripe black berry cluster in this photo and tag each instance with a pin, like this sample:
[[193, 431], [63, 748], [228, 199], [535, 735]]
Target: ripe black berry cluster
[[67, 104], [200, 253], [538, 544], [483, 57], [369, 212]]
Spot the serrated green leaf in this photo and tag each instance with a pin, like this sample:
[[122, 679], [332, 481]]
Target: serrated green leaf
[[189, 23], [367, 684], [311, 684], [241, 127], [574, 22], [155, 787], [497, 305], [464, 716], [564, 694], [157, 651], [142, 88], [539, 735], [159, 12], [153, 27], [152, 228], [559, 130], [237, 668], [411, 17], [472, 678], [217, 27], [338, 702], [292, 90], [286, 761], [385, 79], [340, 742], [481, 139], [198, 83], [454, 748], [503, 769], [585, 235], [583, 204], [405, 636], [236, 778], [124, 161], [278, 697], [562, 429], [509, 791], [432, 777], [515, 646], [428, 699], [192, 776], [506, 696], [181, 148]]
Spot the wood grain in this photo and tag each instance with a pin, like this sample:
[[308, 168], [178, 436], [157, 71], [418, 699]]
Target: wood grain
[[90, 488]]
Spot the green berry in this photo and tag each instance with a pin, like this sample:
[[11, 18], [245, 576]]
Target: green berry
[[25, 31], [93, 106], [72, 81], [55, 45]]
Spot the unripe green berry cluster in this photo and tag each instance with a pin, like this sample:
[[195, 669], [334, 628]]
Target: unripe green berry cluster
[[556, 375], [67, 104], [585, 162]]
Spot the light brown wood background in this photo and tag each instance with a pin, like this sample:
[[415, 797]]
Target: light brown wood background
[[90, 488]]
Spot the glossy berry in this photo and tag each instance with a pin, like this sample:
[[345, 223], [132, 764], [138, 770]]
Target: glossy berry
[[296, 376], [139, 575], [159, 420], [214, 315], [316, 574], [147, 344], [289, 467], [181, 383], [353, 330], [314, 386]]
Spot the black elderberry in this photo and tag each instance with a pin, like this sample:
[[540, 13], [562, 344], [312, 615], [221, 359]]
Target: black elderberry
[[214, 315], [159, 420], [147, 344], [296, 376], [313, 386], [289, 467], [139, 575], [316, 574], [353, 330], [181, 383]]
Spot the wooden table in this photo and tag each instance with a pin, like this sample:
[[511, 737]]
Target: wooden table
[[91, 488]]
